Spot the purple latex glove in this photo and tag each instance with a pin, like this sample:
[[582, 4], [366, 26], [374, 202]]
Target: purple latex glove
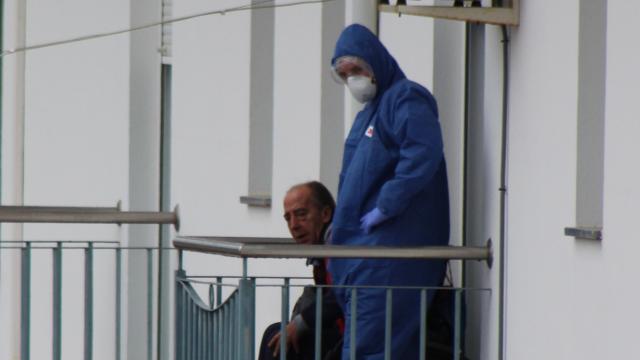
[[371, 219]]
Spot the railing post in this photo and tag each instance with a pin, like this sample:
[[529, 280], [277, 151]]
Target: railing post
[[25, 308], [218, 290], [198, 336], [354, 322], [235, 328], [284, 316], [246, 328], [149, 304], [226, 335], [190, 335], [219, 333], [423, 324], [457, 324], [318, 329], [118, 302], [388, 325], [88, 302], [179, 315], [57, 300]]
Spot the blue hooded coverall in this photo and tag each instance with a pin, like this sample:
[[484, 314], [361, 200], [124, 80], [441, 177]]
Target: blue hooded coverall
[[393, 160]]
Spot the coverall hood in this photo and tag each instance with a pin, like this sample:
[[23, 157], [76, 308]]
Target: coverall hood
[[357, 40]]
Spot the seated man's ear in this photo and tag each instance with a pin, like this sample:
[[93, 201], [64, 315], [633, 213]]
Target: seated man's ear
[[326, 215]]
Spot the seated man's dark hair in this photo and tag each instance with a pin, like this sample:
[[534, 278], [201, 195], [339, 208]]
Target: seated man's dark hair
[[320, 194]]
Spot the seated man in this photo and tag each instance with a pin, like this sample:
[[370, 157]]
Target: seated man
[[308, 210]]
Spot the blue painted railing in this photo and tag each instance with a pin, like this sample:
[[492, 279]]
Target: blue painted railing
[[89, 249], [206, 332], [214, 330]]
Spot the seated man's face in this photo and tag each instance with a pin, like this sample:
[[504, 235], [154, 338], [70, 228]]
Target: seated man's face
[[304, 217]]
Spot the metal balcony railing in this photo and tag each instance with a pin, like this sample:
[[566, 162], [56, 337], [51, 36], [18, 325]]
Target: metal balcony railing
[[226, 330], [90, 250], [110, 255]]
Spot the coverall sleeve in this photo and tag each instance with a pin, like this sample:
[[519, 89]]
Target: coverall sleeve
[[414, 128]]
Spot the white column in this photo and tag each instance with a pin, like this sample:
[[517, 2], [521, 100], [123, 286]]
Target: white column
[[13, 102]]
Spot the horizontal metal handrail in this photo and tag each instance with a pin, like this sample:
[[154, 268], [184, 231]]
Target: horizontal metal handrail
[[287, 248], [86, 215]]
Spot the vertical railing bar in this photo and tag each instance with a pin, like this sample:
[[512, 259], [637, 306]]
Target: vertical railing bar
[[57, 300], [203, 336], [218, 291], [209, 335], [25, 299], [225, 335], [236, 317], [242, 292], [118, 303], [423, 324], [185, 320], [388, 325], [354, 320], [242, 328], [209, 339], [230, 325], [178, 319], [199, 336], [233, 321], [149, 304], [284, 317], [252, 319], [184, 312], [209, 332], [245, 267], [236, 327], [88, 302], [219, 324], [318, 327], [205, 333], [216, 334], [194, 330], [458, 327], [229, 335], [214, 337], [221, 328], [188, 333], [211, 297]]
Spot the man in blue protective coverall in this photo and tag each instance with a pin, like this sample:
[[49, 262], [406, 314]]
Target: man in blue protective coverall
[[393, 192]]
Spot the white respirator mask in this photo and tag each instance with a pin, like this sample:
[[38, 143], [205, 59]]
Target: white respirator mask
[[362, 88]]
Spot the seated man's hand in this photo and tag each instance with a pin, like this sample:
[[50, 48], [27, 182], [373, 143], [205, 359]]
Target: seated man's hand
[[292, 339]]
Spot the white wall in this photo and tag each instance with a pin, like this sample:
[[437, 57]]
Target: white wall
[[552, 280], [617, 310], [76, 103], [565, 298]]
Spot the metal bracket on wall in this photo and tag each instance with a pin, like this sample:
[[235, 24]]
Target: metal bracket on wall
[[505, 15], [256, 200], [581, 232]]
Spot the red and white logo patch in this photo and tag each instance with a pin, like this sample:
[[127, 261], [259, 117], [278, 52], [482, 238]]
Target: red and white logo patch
[[369, 132]]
